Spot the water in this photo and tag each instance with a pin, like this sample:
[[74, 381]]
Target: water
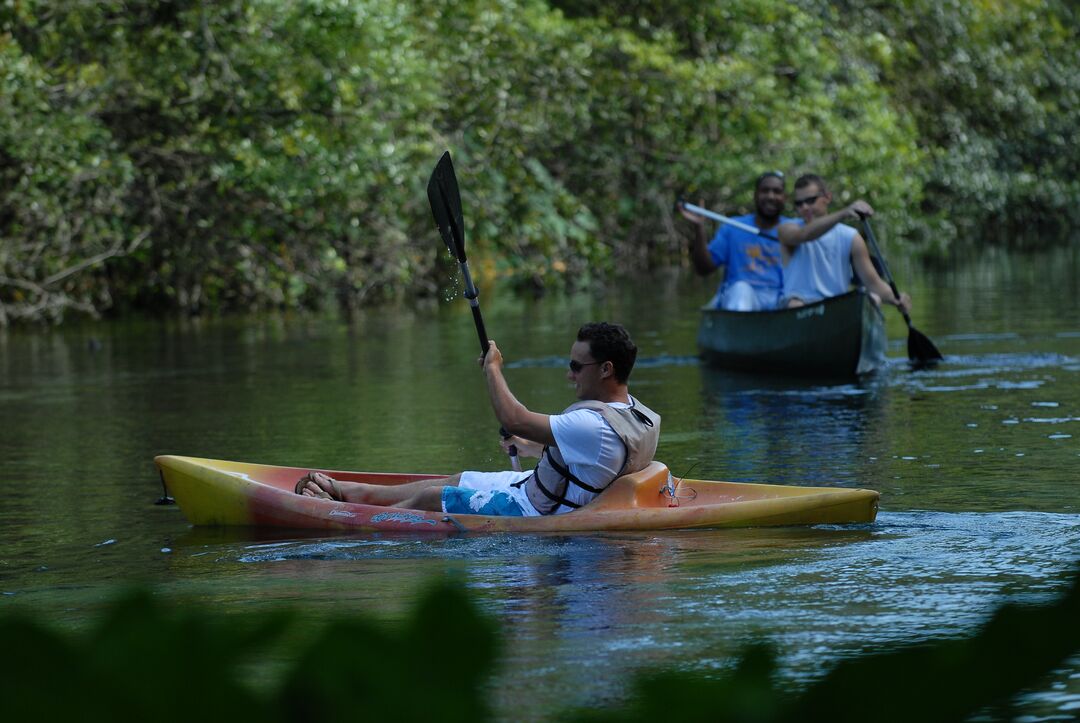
[[976, 462]]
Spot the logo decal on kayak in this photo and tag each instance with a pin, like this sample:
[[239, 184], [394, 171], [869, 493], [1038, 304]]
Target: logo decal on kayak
[[811, 311], [402, 517], [341, 513]]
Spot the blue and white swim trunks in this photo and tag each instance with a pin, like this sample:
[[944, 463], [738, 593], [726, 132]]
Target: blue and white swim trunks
[[489, 493]]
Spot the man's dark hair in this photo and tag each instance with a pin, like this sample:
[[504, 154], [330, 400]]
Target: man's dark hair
[[811, 178], [610, 342]]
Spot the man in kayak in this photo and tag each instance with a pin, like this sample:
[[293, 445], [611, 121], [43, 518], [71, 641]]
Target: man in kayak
[[820, 251], [753, 266], [606, 434]]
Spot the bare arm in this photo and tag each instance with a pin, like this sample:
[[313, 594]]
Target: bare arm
[[864, 267], [792, 234], [514, 416], [525, 447], [699, 248]]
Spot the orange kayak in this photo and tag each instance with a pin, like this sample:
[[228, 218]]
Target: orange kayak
[[216, 492]]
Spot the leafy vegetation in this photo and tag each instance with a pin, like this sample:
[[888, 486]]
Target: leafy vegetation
[[179, 155], [146, 660]]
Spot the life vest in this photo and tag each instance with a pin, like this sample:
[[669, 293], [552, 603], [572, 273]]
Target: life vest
[[637, 427]]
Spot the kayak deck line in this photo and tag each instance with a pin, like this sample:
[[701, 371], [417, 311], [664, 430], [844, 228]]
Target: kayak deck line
[[214, 492]]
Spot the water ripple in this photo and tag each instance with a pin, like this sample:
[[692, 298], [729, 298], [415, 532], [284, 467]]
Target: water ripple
[[996, 364]]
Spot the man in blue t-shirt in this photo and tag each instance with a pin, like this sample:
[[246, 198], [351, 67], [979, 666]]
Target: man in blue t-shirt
[[753, 267]]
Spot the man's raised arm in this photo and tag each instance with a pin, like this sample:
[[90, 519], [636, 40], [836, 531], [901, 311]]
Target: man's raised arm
[[514, 416], [793, 234]]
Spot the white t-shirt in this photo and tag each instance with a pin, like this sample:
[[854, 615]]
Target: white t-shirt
[[590, 447], [820, 269]]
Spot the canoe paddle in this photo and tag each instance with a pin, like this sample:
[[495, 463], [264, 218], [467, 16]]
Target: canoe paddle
[[445, 200], [724, 219], [920, 350]]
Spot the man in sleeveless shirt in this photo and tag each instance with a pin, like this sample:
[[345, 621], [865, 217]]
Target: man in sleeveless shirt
[[607, 433], [820, 251], [753, 275]]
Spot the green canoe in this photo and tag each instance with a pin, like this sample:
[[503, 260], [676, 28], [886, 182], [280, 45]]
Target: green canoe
[[839, 337]]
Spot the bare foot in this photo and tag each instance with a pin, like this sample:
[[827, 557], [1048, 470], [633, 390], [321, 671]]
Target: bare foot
[[318, 485]]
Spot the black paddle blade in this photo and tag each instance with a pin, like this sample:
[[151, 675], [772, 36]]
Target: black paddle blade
[[445, 200], [920, 350]]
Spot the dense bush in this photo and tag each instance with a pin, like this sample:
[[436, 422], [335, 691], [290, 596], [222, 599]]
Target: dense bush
[[148, 660], [174, 154]]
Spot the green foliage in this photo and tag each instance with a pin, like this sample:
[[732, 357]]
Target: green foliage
[[174, 154], [266, 141], [994, 91], [434, 669], [147, 661], [62, 185]]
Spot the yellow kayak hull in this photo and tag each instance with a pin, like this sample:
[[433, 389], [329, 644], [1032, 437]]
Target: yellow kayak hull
[[213, 492]]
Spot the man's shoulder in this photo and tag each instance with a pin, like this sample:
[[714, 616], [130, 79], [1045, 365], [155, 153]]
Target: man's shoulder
[[842, 232], [592, 407], [729, 232], [577, 422], [589, 413], [582, 412], [747, 220]]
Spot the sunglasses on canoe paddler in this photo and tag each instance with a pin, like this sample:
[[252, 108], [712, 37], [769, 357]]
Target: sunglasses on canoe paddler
[[806, 201]]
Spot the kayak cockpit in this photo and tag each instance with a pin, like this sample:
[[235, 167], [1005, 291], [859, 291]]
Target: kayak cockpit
[[644, 488]]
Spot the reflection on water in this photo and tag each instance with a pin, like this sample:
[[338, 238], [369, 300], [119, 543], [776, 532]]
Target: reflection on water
[[975, 459], [787, 431], [618, 602]]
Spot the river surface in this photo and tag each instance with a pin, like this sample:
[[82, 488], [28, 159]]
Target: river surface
[[976, 462]]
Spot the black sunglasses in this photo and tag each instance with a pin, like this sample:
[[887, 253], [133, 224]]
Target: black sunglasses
[[806, 201], [576, 366]]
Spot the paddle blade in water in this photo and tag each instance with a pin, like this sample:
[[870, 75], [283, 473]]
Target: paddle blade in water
[[920, 350], [445, 200]]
